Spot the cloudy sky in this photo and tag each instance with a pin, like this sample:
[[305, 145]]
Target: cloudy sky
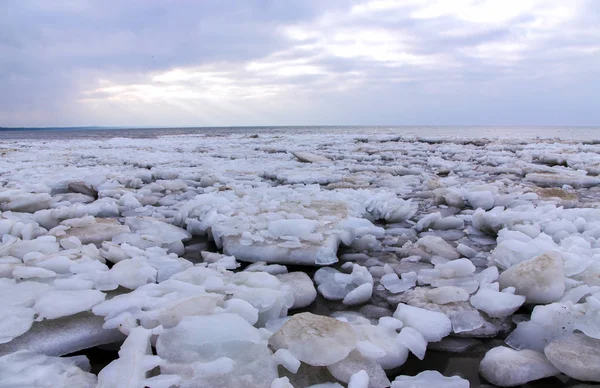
[[299, 62]]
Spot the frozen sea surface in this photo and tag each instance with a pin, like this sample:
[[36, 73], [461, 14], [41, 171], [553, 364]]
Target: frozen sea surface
[[277, 257]]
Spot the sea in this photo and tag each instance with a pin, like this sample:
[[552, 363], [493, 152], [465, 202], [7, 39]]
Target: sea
[[585, 134]]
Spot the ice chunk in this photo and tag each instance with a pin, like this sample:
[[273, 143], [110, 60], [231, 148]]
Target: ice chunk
[[552, 321], [447, 294], [480, 199], [359, 295], [395, 285], [14, 321], [27, 203], [359, 380], [309, 157], [282, 382], [454, 268], [60, 303], [334, 285], [221, 350], [428, 379], [437, 246], [301, 286], [93, 230], [496, 304], [314, 339], [62, 336], [540, 280], [413, 340], [576, 355], [32, 370], [431, 324], [506, 367], [133, 273], [285, 358], [355, 362], [132, 368], [32, 272]]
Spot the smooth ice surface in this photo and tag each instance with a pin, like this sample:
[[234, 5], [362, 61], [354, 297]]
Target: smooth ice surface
[[28, 369], [541, 279], [315, 339], [431, 324], [428, 379], [496, 304], [506, 367], [576, 355]]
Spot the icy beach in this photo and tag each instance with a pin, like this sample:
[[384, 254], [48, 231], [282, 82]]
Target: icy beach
[[300, 258]]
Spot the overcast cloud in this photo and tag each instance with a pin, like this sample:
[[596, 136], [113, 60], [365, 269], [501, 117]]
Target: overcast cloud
[[271, 62]]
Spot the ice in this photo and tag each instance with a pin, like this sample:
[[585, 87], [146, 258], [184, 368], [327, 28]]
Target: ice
[[282, 382], [91, 230], [395, 285], [454, 268], [61, 303], [133, 273], [448, 294], [301, 286], [506, 367], [541, 279], [32, 272], [220, 350], [431, 324], [273, 269], [413, 340], [496, 304], [335, 285], [428, 379], [553, 321], [314, 339], [135, 362], [359, 295], [576, 355], [33, 370], [26, 202], [359, 380], [433, 245], [419, 222], [14, 321], [309, 157], [558, 179], [286, 359], [62, 336], [480, 199], [355, 363]]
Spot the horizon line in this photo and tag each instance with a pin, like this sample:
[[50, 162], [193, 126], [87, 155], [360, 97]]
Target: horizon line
[[117, 127]]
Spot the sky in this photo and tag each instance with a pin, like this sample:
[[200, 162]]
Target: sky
[[299, 62]]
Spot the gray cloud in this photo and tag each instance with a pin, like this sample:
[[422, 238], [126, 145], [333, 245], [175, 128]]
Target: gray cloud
[[299, 62]]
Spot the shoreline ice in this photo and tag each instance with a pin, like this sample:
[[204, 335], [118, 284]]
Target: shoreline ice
[[298, 259]]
